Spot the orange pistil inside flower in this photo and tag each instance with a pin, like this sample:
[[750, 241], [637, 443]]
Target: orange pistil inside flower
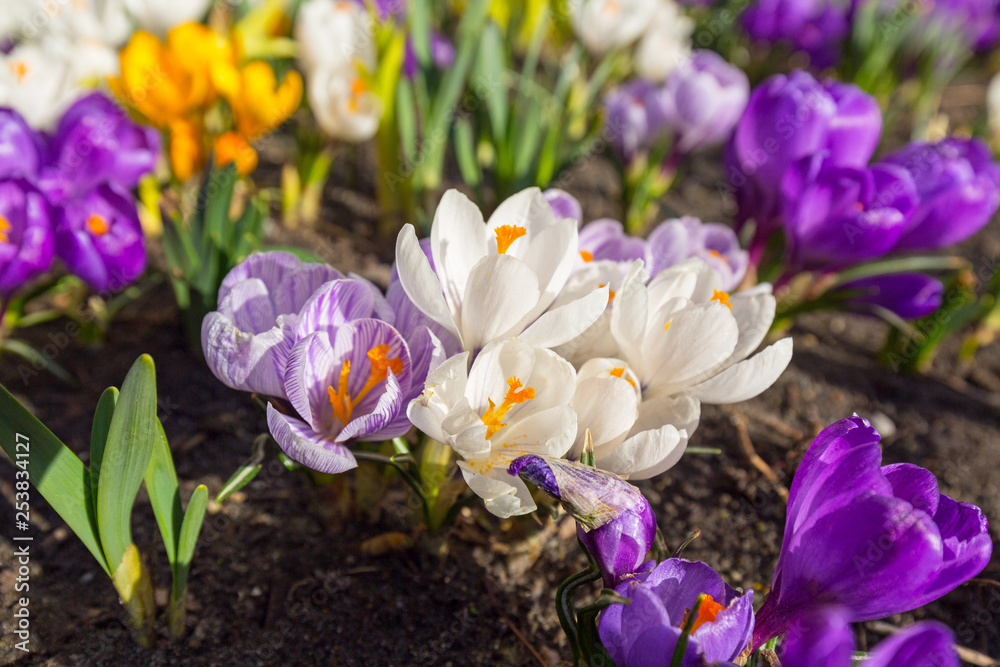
[[340, 398], [507, 234], [358, 88], [586, 256], [667, 326], [707, 611], [97, 225], [718, 255], [722, 297], [19, 69], [4, 228], [620, 373], [611, 292], [493, 418]]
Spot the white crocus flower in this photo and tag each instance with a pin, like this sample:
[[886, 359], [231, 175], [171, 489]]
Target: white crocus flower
[[343, 105], [688, 342], [603, 25], [332, 34], [496, 279], [666, 43], [515, 400], [38, 81], [158, 17], [607, 401]]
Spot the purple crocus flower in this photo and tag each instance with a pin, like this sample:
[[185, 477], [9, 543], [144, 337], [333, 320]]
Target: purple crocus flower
[[875, 540], [97, 142], [909, 295], [26, 245], [635, 117], [790, 117], [823, 638], [605, 239], [21, 147], [99, 238], [976, 21], [835, 216], [563, 204], [959, 186], [703, 99], [646, 631], [349, 376], [614, 521], [816, 27], [678, 239], [247, 340]]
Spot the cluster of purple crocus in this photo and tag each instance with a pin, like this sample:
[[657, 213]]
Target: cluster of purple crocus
[[799, 163], [340, 359], [670, 243], [819, 28], [442, 51], [862, 541], [698, 105], [68, 195]]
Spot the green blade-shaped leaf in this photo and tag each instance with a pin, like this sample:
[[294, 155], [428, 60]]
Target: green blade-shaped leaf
[[54, 470], [465, 153], [99, 436], [164, 492], [247, 470], [218, 195], [126, 457], [37, 359], [190, 529]]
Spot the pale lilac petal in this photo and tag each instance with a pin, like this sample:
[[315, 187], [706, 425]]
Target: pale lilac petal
[[372, 426], [309, 448], [334, 304]]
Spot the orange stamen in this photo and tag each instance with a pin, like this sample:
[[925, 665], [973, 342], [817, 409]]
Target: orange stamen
[[619, 373], [358, 88], [722, 297], [718, 255], [98, 225], [667, 326], [507, 234], [340, 399], [4, 228], [19, 69], [707, 611], [493, 418], [587, 256]]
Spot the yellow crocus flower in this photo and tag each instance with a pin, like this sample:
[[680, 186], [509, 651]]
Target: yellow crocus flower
[[187, 154], [232, 147], [259, 102]]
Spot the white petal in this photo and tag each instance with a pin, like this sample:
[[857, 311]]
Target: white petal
[[458, 241], [546, 433], [505, 494], [420, 282], [754, 313], [629, 312], [698, 339], [501, 290], [608, 407], [498, 361], [747, 378], [566, 322], [645, 454], [682, 411], [552, 255], [445, 387]]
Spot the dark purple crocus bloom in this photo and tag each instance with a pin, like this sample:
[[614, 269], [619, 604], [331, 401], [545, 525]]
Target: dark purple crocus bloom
[[816, 27], [21, 147], [788, 118], [959, 186], [247, 340], [646, 631], [99, 238], [909, 295], [823, 638], [26, 245], [614, 520], [702, 100], [836, 216], [875, 540], [635, 117], [97, 142]]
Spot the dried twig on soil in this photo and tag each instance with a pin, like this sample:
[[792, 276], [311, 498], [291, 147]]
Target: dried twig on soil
[[966, 654], [531, 649], [746, 444]]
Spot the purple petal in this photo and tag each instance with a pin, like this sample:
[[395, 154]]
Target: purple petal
[[373, 425], [334, 304], [822, 638], [309, 448], [245, 361], [927, 644]]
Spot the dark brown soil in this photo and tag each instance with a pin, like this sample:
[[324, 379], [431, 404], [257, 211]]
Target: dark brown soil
[[280, 576]]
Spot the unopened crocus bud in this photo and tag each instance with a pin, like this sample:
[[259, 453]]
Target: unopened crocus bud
[[703, 100], [635, 117], [614, 520]]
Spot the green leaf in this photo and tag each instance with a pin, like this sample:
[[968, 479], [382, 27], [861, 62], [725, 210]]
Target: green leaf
[[465, 153], [99, 437], [164, 492], [126, 457], [490, 78], [247, 470], [36, 358], [54, 470], [218, 196], [406, 120], [190, 529], [420, 31], [901, 265]]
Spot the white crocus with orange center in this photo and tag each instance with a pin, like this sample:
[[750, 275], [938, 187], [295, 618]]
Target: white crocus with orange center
[[39, 82], [343, 105], [608, 401], [490, 280], [515, 400], [603, 25], [688, 342]]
